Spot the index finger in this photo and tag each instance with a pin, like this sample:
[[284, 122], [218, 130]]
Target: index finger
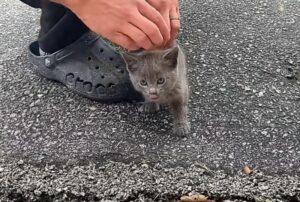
[[153, 15]]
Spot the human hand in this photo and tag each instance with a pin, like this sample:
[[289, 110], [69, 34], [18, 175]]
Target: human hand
[[132, 24], [169, 9]]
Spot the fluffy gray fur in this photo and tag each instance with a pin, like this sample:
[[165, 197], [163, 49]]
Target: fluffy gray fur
[[160, 76]]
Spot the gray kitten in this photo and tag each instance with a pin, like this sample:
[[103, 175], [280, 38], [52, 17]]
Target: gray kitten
[[160, 76]]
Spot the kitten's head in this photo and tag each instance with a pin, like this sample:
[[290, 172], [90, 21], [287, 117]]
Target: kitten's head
[[153, 73]]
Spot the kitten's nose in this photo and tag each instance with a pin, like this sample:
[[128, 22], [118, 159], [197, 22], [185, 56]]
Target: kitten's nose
[[152, 91]]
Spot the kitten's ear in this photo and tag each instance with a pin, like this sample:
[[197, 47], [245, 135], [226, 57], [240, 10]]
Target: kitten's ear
[[130, 59], [171, 56]]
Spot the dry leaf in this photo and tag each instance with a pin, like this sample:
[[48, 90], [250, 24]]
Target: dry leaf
[[248, 170], [194, 198]]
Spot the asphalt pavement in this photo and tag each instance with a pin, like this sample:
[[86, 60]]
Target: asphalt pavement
[[244, 72]]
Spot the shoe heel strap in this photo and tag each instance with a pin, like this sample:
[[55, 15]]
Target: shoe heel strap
[[50, 60]]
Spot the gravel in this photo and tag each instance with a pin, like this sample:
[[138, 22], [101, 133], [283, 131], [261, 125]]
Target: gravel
[[142, 182]]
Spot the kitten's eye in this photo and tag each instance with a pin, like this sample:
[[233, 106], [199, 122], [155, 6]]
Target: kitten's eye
[[160, 81], [143, 83]]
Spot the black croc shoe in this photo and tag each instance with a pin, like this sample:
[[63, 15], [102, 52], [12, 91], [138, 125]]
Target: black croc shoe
[[89, 67]]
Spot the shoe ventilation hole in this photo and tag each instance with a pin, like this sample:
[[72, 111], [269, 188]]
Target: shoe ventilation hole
[[102, 77], [117, 66], [110, 85], [89, 58], [97, 67], [111, 59], [122, 71], [101, 50]]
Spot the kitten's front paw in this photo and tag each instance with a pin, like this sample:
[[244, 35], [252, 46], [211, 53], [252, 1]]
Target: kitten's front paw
[[149, 107], [182, 130]]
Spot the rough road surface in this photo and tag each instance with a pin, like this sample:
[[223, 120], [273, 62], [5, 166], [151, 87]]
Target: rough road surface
[[244, 71]]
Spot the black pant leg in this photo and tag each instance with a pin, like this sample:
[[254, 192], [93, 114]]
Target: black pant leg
[[59, 26]]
